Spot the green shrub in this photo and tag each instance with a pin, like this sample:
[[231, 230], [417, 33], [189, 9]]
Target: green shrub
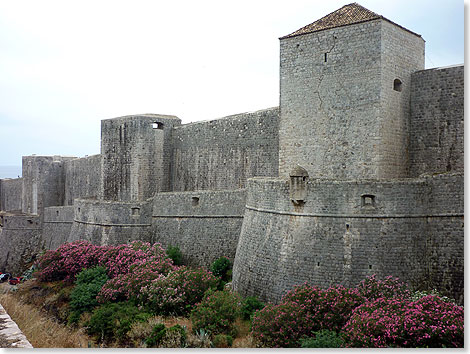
[[217, 312], [222, 341], [174, 253], [162, 337], [155, 338], [179, 291], [249, 306], [113, 321], [87, 286], [221, 267], [323, 339]]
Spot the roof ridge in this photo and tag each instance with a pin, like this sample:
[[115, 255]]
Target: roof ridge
[[347, 15]]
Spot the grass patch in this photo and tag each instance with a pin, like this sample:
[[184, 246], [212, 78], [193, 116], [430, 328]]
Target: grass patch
[[41, 330]]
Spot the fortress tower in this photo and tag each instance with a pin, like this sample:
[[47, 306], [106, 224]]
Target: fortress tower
[[135, 156], [345, 96]]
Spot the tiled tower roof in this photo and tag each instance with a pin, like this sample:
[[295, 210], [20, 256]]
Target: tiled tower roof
[[347, 15]]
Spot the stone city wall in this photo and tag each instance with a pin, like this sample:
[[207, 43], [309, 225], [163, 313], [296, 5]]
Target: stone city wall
[[110, 223], [346, 231], [221, 154], [205, 225], [437, 121], [57, 225], [11, 190], [20, 241], [82, 178]]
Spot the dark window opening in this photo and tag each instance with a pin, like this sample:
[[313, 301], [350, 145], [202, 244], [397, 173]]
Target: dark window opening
[[30, 221], [195, 201], [57, 212], [370, 266], [135, 211], [347, 227], [318, 264], [326, 57], [157, 125], [397, 85], [368, 200]]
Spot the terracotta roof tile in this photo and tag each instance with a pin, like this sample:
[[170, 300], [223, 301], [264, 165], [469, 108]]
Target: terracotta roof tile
[[347, 15]]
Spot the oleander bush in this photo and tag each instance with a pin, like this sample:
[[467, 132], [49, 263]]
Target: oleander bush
[[428, 322], [71, 258], [373, 288], [141, 273], [217, 312], [302, 312], [177, 292]]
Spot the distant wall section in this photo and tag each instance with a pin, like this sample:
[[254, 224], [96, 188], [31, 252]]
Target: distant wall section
[[20, 241], [437, 121], [205, 225], [110, 223], [10, 194], [221, 154], [82, 178]]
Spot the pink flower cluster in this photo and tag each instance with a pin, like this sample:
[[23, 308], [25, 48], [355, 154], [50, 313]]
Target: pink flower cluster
[[179, 291], [378, 313], [428, 322], [141, 273], [302, 311], [71, 258]]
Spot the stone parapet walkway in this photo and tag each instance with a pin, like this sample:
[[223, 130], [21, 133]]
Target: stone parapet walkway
[[10, 335]]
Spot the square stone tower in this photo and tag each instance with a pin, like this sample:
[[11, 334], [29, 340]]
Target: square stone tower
[[345, 96], [135, 156]]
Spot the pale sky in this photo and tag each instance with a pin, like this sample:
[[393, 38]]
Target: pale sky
[[66, 65]]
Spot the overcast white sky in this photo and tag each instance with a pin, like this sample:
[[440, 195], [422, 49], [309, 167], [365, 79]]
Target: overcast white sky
[[65, 65]]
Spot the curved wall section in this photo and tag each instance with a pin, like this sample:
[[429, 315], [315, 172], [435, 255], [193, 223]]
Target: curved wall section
[[205, 225], [110, 223], [345, 231]]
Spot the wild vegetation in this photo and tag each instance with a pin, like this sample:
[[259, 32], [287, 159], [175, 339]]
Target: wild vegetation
[[134, 295]]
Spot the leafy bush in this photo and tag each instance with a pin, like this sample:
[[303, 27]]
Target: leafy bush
[[222, 341], [217, 312], [174, 253], [249, 306], [420, 294], [179, 291], [303, 311], [162, 337], [71, 258], [67, 261], [221, 268], [113, 321], [87, 287], [323, 339], [141, 273], [372, 288], [427, 322]]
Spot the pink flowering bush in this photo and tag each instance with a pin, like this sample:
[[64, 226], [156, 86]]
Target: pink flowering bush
[[179, 291], [427, 322], [302, 311], [141, 273], [71, 258], [372, 288], [67, 261]]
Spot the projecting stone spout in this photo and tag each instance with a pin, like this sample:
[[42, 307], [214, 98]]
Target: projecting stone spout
[[298, 185]]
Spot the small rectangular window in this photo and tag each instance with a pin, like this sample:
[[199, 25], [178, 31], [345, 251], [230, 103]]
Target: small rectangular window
[[326, 57], [195, 201]]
